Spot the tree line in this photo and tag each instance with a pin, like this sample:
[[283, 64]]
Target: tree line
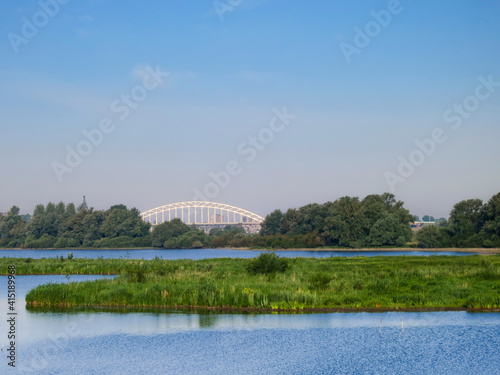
[[65, 226], [350, 222], [472, 223], [377, 220]]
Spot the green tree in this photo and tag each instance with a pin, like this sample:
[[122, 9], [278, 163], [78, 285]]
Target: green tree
[[346, 224], [74, 228], [442, 222], [14, 211], [431, 237], [272, 223], [187, 240], [92, 223], [13, 228], [39, 210], [50, 208], [234, 229], [46, 220], [467, 219], [216, 232], [389, 231], [197, 244], [60, 209], [374, 208], [70, 210], [290, 222], [492, 222], [306, 219], [312, 218], [45, 241], [163, 232], [119, 221]]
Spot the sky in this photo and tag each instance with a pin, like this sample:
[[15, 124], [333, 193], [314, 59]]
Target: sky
[[260, 104]]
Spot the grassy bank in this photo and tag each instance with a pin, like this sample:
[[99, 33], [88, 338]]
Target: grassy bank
[[65, 266], [434, 282]]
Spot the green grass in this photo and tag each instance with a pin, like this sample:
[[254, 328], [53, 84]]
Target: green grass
[[407, 282]]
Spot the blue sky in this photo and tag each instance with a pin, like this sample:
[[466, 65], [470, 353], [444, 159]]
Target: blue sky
[[226, 77]]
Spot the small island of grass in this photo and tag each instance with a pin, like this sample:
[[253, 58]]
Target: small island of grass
[[270, 283]]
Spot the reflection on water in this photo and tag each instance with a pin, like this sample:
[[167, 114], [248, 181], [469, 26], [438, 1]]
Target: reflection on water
[[211, 343], [103, 323], [280, 344], [148, 254]]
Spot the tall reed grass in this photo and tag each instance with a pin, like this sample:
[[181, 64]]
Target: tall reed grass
[[361, 282]]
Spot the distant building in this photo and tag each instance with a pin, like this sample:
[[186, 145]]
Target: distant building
[[84, 204], [216, 218], [417, 225], [252, 228], [4, 213]]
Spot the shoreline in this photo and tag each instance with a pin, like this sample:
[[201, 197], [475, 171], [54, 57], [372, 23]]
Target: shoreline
[[330, 250], [230, 309], [405, 249], [327, 284]]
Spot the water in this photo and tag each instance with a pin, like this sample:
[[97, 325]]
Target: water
[[180, 343], [206, 253]]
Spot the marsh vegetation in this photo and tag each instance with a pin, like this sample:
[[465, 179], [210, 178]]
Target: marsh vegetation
[[434, 282]]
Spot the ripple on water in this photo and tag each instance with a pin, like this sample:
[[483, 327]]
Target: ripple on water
[[356, 350]]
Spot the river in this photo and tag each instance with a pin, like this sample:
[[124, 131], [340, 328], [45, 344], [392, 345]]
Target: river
[[193, 343], [207, 253]]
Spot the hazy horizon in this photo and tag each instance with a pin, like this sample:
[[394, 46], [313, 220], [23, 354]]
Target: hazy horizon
[[296, 102], [105, 207]]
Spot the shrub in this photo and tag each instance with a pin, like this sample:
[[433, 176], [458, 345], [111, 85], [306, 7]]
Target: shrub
[[197, 244], [320, 280], [187, 240], [63, 242], [168, 230], [135, 274], [43, 242], [15, 243], [116, 242], [432, 237], [267, 263], [144, 241]]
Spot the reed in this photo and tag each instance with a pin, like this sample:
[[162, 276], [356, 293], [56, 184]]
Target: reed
[[434, 282]]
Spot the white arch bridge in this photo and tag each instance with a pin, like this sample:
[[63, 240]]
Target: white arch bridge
[[206, 215]]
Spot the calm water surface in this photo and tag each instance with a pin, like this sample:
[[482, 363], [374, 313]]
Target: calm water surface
[[180, 343], [205, 253]]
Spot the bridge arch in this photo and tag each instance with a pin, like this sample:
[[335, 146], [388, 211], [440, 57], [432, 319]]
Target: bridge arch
[[204, 214]]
